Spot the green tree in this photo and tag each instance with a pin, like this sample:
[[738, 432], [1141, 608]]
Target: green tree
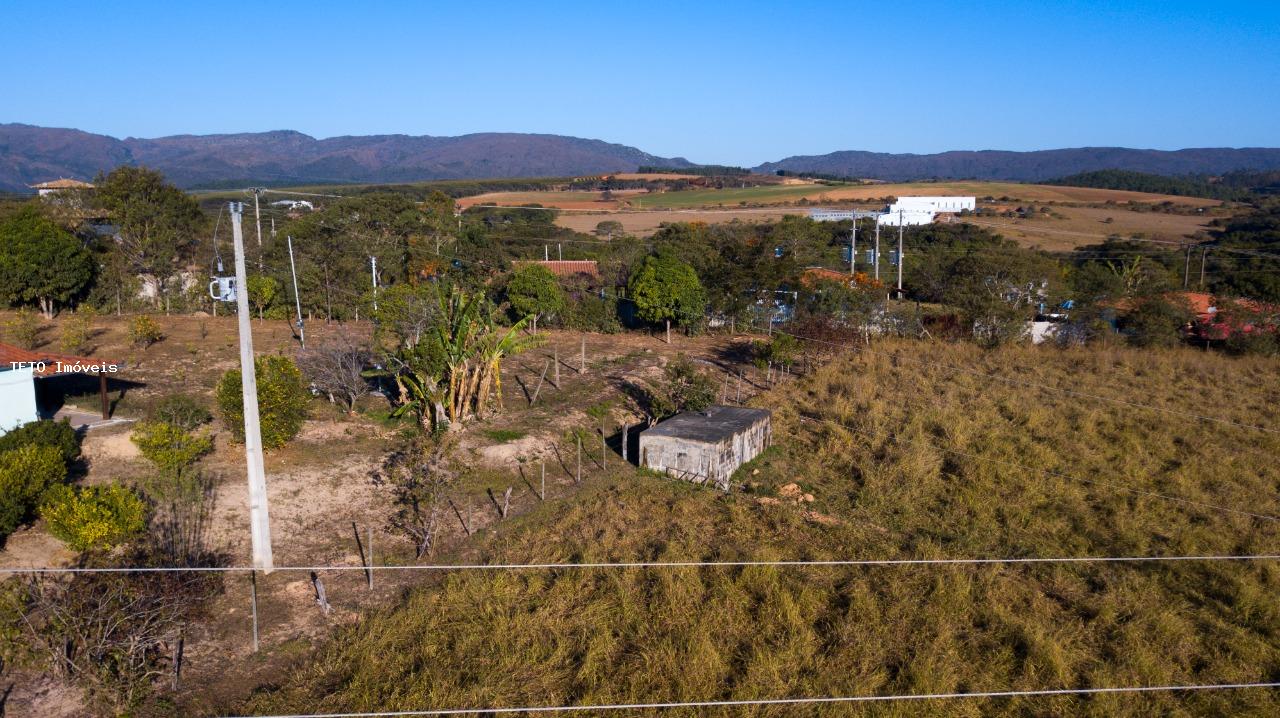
[[684, 388], [665, 289], [41, 263], [262, 292], [158, 223], [533, 292], [282, 400], [93, 517]]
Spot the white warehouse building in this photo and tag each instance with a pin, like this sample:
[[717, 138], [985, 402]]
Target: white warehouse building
[[912, 211]]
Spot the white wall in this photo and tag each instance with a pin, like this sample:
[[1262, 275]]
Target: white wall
[[17, 398], [938, 204]]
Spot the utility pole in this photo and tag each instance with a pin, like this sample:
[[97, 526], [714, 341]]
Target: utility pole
[[373, 270], [899, 254], [257, 217], [297, 301], [546, 253], [259, 521], [853, 248], [1203, 251], [1186, 268], [559, 252], [876, 263]]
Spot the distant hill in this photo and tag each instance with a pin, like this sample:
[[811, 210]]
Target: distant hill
[[1035, 166], [1193, 186], [30, 154]]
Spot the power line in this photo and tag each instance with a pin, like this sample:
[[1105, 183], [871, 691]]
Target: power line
[[788, 701]]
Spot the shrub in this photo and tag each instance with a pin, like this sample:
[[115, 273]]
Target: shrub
[[24, 328], [171, 448], [76, 331], [144, 331], [182, 411], [56, 434], [93, 517], [591, 313], [684, 388], [1156, 322], [282, 400], [26, 474]]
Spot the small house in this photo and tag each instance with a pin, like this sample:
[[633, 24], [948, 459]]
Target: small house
[[707, 446]]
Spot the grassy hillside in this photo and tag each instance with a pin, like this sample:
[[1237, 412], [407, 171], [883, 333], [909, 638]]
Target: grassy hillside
[[904, 459]]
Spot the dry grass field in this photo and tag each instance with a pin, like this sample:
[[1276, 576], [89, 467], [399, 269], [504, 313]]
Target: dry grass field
[[912, 451], [1078, 225]]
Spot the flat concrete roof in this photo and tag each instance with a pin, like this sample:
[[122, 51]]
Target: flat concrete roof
[[711, 426]]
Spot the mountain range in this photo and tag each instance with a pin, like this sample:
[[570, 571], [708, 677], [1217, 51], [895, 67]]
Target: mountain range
[[30, 154]]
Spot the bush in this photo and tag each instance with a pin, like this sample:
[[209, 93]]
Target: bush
[[593, 314], [56, 434], [144, 331], [182, 411], [26, 474], [77, 330], [1156, 322], [93, 517], [171, 448], [24, 328], [282, 400]]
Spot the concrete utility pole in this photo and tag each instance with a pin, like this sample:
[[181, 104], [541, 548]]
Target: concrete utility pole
[[297, 301], [1203, 251], [853, 248], [899, 254], [1186, 269], [257, 214], [259, 521], [373, 271], [876, 263]]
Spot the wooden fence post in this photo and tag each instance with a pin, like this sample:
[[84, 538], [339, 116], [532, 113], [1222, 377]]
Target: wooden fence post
[[579, 479], [253, 599], [506, 502], [322, 600], [539, 387], [177, 660], [624, 442], [543, 464], [370, 569], [582, 367], [556, 360]]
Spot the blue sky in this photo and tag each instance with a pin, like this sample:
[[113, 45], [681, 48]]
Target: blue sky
[[735, 83]]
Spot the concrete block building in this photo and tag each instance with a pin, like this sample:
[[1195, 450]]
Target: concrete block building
[[706, 447]]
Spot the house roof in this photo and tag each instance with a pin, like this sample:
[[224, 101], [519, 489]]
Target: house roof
[[567, 268], [813, 275], [54, 363], [63, 183], [711, 426]]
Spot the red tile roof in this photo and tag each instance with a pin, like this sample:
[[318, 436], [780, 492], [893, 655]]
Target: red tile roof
[[53, 362], [567, 268]]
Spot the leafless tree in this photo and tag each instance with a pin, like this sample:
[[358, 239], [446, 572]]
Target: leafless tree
[[336, 368], [419, 478]]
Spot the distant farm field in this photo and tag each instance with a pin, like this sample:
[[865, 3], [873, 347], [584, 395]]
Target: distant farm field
[[855, 193]]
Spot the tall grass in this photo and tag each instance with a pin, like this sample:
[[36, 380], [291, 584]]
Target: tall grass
[[914, 460]]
